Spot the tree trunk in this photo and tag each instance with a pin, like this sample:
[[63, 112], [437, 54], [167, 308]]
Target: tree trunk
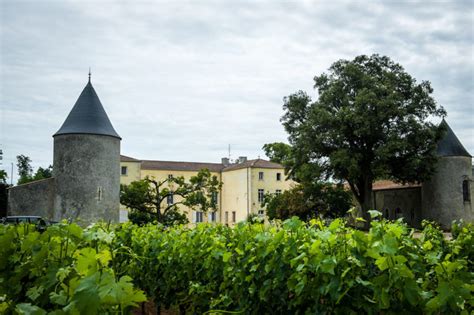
[[366, 201], [362, 190]]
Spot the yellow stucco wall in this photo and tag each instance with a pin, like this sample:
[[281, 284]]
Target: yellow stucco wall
[[234, 195], [269, 184], [133, 172], [238, 184], [239, 192]]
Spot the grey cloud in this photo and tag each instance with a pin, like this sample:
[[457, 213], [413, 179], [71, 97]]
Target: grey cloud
[[182, 80]]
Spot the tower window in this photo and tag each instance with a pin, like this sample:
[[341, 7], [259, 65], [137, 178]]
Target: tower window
[[466, 196], [99, 193], [124, 170]]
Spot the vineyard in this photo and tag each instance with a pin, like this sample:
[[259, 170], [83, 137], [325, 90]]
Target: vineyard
[[283, 268]]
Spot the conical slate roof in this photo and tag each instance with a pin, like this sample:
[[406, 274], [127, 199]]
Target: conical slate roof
[[450, 145], [88, 116]]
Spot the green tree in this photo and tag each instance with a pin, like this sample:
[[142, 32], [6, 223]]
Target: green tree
[[369, 122], [25, 170], [327, 200], [3, 193], [3, 176], [149, 199], [42, 173], [317, 197]]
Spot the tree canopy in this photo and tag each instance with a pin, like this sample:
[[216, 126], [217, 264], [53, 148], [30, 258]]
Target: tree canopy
[[3, 177], [326, 200], [370, 121], [154, 200], [3, 193], [25, 170], [312, 197]]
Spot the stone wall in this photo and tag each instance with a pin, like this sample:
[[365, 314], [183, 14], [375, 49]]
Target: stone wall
[[442, 195], [87, 172], [398, 203], [34, 198]]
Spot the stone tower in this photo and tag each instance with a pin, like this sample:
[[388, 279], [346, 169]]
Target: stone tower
[[86, 163], [447, 195]]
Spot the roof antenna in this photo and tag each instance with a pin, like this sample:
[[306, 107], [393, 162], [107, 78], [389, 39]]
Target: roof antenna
[[89, 74]]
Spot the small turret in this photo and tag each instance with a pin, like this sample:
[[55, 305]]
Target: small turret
[[447, 195]]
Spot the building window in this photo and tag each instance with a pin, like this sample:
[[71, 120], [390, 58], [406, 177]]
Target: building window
[[227, 217], [169, 199], [261, 213], [260, 175], [466, 196], [233, 216], [212, 216], [261, 195], [124, 170], [278, 192], [214, 198], [170, 176], [278, 176], [198, 216]]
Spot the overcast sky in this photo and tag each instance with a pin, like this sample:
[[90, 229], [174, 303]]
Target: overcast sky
[[183, 80]]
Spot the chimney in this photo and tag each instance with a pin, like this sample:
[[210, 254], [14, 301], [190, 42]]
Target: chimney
[[225, 161], [242, 159]]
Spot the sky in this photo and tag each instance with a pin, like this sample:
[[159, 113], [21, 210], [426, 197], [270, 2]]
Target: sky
[[182, 80]]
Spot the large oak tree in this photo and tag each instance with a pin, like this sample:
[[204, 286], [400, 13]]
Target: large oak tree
[[370, 121]]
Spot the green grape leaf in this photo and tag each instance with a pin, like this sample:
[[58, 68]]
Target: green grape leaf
[[28, 309], [226, 256], [86, 263], [374, 214], [382, 263], [104, 257], [86, 297], [34, 292], [58, 298]]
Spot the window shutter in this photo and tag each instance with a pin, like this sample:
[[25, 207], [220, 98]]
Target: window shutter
[[194, 216]]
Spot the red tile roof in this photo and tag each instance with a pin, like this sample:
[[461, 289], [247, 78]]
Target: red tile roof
[[180, 166], [124, 158], [196, 166], [258, 163], [388, 184]]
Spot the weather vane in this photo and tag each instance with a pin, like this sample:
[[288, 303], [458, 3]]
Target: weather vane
[[89, 74]]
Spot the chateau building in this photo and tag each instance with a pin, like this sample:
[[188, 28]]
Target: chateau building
[[244, 184], [88, 170]]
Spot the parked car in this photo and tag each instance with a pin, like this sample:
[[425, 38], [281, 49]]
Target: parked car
[[40, 223]]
